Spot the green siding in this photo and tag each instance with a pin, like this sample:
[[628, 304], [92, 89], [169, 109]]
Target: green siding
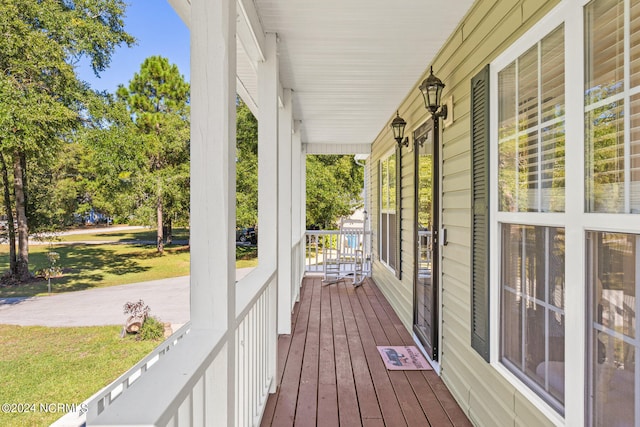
[[489, 28]]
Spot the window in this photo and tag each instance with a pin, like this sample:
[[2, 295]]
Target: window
[[611, 95], [564, 205], [532, 285], [613, 277], [531, 181], [612, 186], [388, 209]]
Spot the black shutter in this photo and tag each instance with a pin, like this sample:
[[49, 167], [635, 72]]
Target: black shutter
[[480, 212]]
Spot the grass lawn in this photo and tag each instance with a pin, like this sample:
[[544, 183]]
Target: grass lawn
[[87, 266], [140, 235], [60, 365]]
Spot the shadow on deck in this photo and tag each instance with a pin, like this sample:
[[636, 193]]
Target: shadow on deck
[[331, 373]]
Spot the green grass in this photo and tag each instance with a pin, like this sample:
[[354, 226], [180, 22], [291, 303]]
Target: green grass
[[60, 365], [96, 266], [139, 235], [87, 266]]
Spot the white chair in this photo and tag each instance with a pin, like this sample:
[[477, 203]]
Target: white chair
[[347, 258]]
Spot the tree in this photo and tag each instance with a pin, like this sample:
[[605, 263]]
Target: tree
[[40, 95], [158, 100], [334, 189]]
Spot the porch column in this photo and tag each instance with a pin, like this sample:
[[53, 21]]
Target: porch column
[[268, 79], [213, 140], [303, 191], [285, 293], [296, 200], [268, 180]]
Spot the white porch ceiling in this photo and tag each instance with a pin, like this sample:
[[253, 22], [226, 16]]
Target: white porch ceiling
[[350, 63]]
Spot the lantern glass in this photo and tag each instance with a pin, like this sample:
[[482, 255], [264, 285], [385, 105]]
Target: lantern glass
[[431, 89], [397, 125]]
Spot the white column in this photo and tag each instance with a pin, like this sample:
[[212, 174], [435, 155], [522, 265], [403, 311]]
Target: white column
[[296, 214], [213, 136], [303, 192], [268, 155], [268, 182], [285, 294]]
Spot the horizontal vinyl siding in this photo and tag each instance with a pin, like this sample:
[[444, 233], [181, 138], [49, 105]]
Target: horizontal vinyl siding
[[489, 28]]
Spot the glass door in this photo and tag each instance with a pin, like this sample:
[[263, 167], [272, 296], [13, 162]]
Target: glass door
[[425, 312]]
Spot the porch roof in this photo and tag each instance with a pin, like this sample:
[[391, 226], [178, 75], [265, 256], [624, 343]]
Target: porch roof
[[350, 63]]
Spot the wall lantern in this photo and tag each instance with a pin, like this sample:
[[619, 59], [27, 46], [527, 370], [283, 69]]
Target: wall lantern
[[431, 89], [398, 124]]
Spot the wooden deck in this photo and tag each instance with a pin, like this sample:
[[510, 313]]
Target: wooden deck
[[331, 373]]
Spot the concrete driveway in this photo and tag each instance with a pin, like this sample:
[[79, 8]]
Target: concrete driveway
[[168, 299]]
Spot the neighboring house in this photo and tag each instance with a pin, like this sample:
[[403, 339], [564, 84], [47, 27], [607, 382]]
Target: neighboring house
[[508, 242]]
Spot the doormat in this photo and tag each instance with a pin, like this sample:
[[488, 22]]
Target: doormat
[[403, 358]]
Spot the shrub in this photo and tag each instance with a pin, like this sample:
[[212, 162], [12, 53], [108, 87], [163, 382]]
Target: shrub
[[152, 330]]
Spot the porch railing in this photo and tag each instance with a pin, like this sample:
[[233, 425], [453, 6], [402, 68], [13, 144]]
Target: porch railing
[[321, 243], [190, 385], [106, 396]]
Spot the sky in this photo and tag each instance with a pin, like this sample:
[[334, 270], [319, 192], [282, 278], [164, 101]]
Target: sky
[[158, 31]]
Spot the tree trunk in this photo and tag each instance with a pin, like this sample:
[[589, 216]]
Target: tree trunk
[[160, 242], [168, 232], [22, 265], [11, 229]]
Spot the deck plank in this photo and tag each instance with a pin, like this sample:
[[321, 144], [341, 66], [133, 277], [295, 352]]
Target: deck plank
[[288, 394], [367, 399], [348, 410], [389, 406], [308, 393], [327, 389]]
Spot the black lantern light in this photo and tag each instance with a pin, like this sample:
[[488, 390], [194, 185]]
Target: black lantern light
[[431, 89], [397, 125]]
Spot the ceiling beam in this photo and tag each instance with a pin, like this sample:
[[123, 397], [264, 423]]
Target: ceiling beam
[[249, 30]]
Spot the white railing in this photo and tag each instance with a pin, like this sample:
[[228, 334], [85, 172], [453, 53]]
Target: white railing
[[101, 400], [254, 345], [321, 242], [191, 385]]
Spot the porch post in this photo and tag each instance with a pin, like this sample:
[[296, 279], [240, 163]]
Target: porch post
[[213, 136], [268, 181], [284, 215], [296, 200], [268, 155]]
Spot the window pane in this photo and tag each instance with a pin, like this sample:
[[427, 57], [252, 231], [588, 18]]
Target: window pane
[[507, 102], [528, 89], [531, 147], [384, 185], [613, 281], [604, 43], [552, 168], [552, 72], [392, 183], [635, 43], [384, 239], [635, 154], [604, 160], [532, 284], [392, 241], [528, 172]]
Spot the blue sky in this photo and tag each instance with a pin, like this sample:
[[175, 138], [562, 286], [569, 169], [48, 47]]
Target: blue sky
[[158, 31]]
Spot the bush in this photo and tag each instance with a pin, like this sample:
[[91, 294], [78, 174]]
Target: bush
[[152, 330]]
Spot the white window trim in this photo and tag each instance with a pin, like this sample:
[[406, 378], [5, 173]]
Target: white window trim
[[574, 343]]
